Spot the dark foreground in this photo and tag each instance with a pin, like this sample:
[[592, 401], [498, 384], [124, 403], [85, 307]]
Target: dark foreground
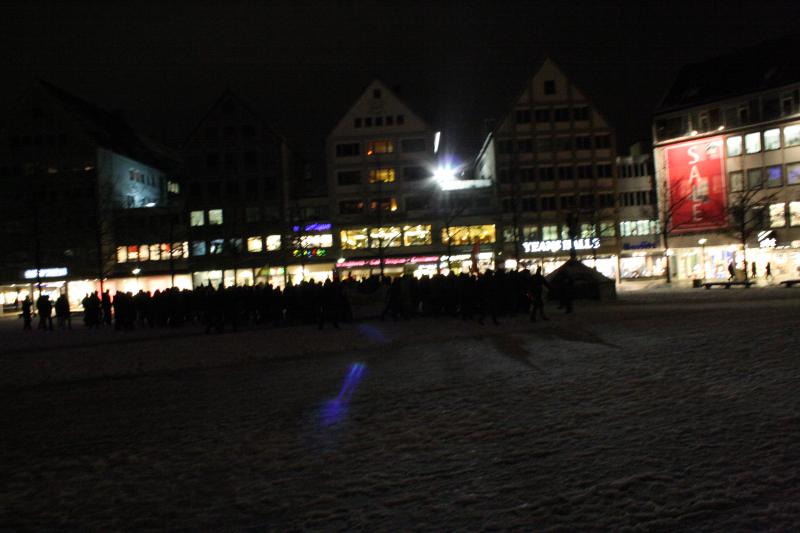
[[661, 412]]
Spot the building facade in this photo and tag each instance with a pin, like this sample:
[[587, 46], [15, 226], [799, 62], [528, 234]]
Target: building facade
[[727, 157]]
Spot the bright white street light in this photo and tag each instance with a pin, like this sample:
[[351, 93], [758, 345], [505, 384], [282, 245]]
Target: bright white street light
[[702, 241], [444, 174], [136, 271]]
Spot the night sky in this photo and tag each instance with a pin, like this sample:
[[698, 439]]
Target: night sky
[[303, 63]]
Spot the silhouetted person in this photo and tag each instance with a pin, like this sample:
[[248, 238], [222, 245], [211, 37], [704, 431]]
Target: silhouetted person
[[537, 286], [731, 271], [753, 270], [26, 313], [45, 308], [62, 313], [106, 305], [768, 274]]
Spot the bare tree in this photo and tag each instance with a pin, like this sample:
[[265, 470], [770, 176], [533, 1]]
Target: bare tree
[[671, 200], [748, 211]]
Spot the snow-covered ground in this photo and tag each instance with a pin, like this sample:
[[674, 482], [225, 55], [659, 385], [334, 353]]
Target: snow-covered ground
[[668, 410]]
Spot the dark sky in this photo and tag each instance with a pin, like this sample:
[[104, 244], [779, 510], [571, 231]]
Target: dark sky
[[303, 63]]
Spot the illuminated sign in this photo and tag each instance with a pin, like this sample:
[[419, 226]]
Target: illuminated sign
[[355, 263], [457, 185], [310, 252], [316, 226], [557, 246], [696, 178], [46, 273], [766, 239], [638, 246]]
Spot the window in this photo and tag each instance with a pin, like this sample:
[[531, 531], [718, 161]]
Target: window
[[215, 217], [524, 146], [528, 204], [604, 170], [351, 207], [319, 240], [561, 114], [462, 235], [523, 116], [348, 177], [417, 235], [544, 144], [354, 239], [632, 228], [791, 135], [549, 86], [565, 173], [216, 246], [381, 175], [607, 229], [585, 172], [122, 254], [605, 200], [586, 201], [772, 139], [416, 203], [347, 150], [386, 237], [563, 144], [602, 141], [774, 176], [385, 204], [736, 179], [794, 213], [567, 202], [400, 119], [367, 121], [252, 214], [198, 248], [541, 115], [505, 146], [546, 173], [734, 146], [752, 143], [548, 203], [379, 121], [255, 244], [390, 120], [155, 252], [196, 218], [526, 174], [793, 173], [273, 243], [744, 114], [583, 142], [549, 233], [754, 178], [777, 215], [580, 113], [380, 147], [412, 145]]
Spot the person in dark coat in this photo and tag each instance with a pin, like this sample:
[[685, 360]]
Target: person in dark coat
[[45, 309], [537, 285], [106, 306], [26, 313], [63, 318], [731, 271]]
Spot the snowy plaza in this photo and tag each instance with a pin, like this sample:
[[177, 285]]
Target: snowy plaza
[[666, 410]]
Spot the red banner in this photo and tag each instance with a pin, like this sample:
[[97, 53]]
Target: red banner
[[697, 193]]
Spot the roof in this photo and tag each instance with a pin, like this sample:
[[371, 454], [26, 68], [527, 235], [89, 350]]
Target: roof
[[110, 131], [767, 65]]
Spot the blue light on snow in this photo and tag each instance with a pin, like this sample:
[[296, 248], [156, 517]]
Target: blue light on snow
[[335, 409]]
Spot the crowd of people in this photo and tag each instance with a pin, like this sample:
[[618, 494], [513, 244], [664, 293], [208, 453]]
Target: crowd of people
[[467, 296]]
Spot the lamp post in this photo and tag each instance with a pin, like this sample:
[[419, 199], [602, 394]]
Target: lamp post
[[702, 242], [136, 271]]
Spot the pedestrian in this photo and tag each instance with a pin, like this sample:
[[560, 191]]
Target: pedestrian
[[731, 271], [537, 285], [26, 313], [768, 275], [62, 313], [45, 309], [753, 270]]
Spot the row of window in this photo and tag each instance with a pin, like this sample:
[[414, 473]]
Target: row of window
[[560, 143], [419, 235], [778, 212], [378, 147], [770, 176], [563, 172], [637, 170], [152, 252], [542, 115], [383, 175], [549, 203], [140, 177], [211, 217], [766, 140], [354, 207], [604, 228], [378, 121]]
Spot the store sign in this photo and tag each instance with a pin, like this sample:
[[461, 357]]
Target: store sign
[[559, 245], [316, 226], [696, 180], [310, 252], [46, 273], [356, 263], [638, 246]]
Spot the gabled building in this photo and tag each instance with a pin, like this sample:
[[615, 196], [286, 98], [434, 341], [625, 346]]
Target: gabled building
[[555, 157], [71, 173]]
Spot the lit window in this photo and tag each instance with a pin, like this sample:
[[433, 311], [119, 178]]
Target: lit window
[[607, 229], [216, 246], [215, 217], [462, 235], [323, 240], [168, 251], [587, 231], [354, 239], [734, 146], [549, 233], [198, 248], [380, 147], [794, 213], [133, 253], [254, 244], [754, 178], [122, 254], [155, 252], [386, 204], [772, 139], [196, 218], [417, 235], [777, 215], [273, 243], [382, 175], [752, 142], [774, 176], [793, 173], [736, 180], [791, 135], [386, 237]]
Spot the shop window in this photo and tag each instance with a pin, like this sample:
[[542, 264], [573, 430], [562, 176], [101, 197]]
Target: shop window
[[351, 207], [419, 235], [462, 235], [354, 239], [216, 246], [155, 252], [734, 146], [774, 176], [381, 175], [380, 147], [791, 135], [755, 178], [122, 254], [347, 150], [793, 173], [412, 145], [321, 240], [736, 179], [772, 139], [777, 215], [255, 244], [752, 143], [198, 248], [549, 233], [196, 218], [273, 243], [794, 213], [386, 237], [215, 217]]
